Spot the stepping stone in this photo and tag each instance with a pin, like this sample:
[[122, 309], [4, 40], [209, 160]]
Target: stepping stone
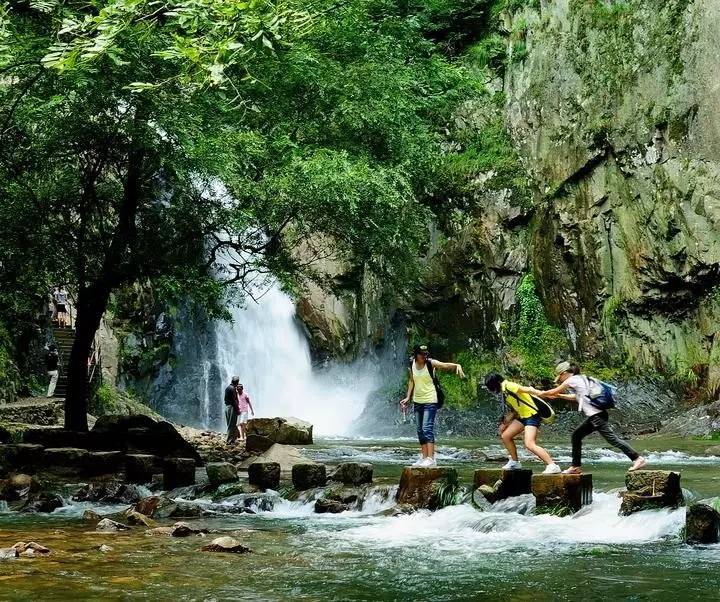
[[651, 489], [308, 476], [221, 472], [561, 494], [104, 462], [498, 484], [139, 468], [419, 486], [178, 472], [264, 475], [353, 473]]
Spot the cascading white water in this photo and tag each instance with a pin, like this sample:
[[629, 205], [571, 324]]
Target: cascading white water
[[265, 346]]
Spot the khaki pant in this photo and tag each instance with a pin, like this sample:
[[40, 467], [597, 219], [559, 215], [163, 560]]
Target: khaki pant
[[53, 374]]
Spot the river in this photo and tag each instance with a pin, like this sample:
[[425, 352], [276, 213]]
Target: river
[[455, 553]]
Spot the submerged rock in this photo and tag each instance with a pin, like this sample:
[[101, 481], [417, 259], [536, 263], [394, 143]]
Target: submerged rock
[[159, 507], [326, 506], [353, 473], [107, 525], [43, 502], [134, 517], [226, 544], [104, 548], [109, 493], [92, 516], [221, 472], [651, 489], [307, 476], [31, 549], [263, 432], [702, 524], [265, 475]]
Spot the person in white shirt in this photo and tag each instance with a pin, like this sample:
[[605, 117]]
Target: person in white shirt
[[571, 379]]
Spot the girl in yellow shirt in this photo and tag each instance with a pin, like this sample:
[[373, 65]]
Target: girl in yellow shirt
[[421, 389]]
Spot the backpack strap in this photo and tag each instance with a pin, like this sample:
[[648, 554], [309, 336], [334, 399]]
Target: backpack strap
[[522, 401]]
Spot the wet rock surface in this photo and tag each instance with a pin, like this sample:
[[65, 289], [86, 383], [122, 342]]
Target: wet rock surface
[[219, 473], [651, 489], [498, 484], [139, 468], [561, 494], [107, 525], [264, 475], [419, 486], [327, 506], [178, 472], [226, 544], [308, 476], [262, 433], [702, 524], [353, 473]]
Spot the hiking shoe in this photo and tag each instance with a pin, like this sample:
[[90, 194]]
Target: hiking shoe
[[638, 464], [573, 470], [552, 469], [512, 465]]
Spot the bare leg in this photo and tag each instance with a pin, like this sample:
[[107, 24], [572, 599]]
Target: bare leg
[[531, 433], [430, 449], [424, 449], [513, 430]]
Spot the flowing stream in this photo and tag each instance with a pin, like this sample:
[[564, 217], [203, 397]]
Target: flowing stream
[[457, 553]]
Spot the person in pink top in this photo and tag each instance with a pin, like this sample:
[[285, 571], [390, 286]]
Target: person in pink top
[[243, 405]]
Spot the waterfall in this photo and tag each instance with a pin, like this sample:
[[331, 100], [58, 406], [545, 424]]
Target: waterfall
[[266, 346]]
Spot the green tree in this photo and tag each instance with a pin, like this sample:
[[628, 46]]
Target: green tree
[[124, 145]]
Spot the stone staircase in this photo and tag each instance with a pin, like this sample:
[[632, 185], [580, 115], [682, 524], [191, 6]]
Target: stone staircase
[[64, 338]]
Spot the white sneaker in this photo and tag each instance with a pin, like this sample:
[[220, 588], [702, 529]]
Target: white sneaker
[[427, 463], [418, 462], [512, 465], [552, 469]]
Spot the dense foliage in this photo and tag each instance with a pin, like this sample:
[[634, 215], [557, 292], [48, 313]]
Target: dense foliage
[[174, 142]]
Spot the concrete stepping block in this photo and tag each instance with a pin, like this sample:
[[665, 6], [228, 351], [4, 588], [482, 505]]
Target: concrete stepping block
[[419, 486], [498, 484], [561, 494]]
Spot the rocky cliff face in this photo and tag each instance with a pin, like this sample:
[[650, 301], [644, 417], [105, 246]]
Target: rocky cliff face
[[614, 114]]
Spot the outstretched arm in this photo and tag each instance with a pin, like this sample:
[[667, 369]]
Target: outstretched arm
[[449, 367], [557, 392], [252, 410]]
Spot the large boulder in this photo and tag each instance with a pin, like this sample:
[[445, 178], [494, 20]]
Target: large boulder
[[702, 524], [19, 487], [142, 434], [221, 472], [561, 494], [178, 472], [264, 475], [263, 432], [419, 486], [286, 456], [353, 473], [651, 489], [308, 476]]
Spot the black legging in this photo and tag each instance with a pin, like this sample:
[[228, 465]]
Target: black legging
[[599, 423]]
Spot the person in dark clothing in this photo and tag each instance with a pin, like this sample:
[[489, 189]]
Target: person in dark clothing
[[576, 386], [52, 365], [231, 409]]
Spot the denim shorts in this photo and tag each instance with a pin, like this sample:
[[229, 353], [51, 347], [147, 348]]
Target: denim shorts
[[534, 420]]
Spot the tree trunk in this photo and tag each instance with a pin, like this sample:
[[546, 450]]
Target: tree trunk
[[91, 304]]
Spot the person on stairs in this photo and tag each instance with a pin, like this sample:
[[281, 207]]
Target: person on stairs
[[52, 365], [61, 302], [423, 390], [523, 417], [575, 386], [231, 410]]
